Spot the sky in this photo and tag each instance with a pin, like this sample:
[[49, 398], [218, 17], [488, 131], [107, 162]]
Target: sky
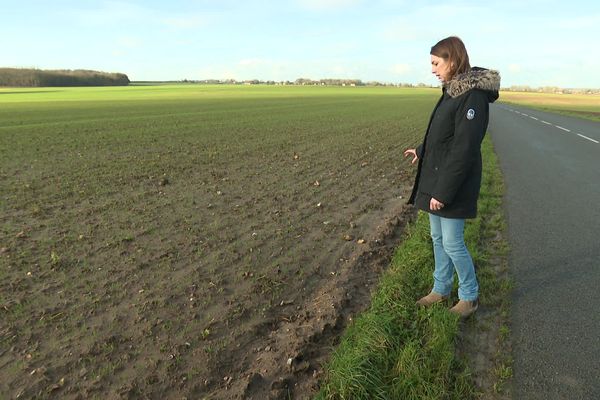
[[535, 43]]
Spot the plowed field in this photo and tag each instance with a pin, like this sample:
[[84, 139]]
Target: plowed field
[[169, 242]]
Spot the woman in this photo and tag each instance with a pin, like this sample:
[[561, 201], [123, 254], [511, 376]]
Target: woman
[[449, 168]]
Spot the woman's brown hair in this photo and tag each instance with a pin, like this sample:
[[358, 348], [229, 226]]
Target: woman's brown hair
[[452, 50]]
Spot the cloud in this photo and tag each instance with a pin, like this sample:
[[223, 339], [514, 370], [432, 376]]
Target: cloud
[[400, 30], [248, 68], [125, 44], [444, 11], [129, 42], [433, 22], [278, 70], [340, 71], [515, 68], [583, 22], [186, 22], [252, 62], [401, 69], [327, 5], [215, 72], [111, 13]]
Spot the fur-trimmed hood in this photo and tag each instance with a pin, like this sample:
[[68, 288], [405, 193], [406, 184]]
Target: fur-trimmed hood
[[476, 78]]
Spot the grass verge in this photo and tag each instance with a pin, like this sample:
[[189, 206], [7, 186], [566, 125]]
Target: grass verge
[[396, 350]]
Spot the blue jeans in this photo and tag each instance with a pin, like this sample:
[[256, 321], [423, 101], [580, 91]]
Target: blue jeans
[[450, 253]]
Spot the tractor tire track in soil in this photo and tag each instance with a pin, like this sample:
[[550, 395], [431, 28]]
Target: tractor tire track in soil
[[289, 366]]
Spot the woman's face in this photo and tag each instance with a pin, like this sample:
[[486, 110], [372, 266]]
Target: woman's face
[[440, 68]]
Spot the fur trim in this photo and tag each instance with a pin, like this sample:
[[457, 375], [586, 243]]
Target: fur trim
[[476, 78]]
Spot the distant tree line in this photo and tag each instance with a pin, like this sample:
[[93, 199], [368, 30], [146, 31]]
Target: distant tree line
[[550, 89], [358, 82], [299, 81], [329, 82], [21, 77]]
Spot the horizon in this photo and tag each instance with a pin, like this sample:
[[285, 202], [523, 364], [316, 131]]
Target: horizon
[[384, 41], [310, 82]]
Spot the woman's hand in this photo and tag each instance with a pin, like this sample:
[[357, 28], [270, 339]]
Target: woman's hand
[[413, 153], [435, 205]]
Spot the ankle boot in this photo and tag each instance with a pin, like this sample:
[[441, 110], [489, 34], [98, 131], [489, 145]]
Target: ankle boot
[[430, 299], [465, 308]]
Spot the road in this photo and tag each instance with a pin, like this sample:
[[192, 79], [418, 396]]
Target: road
[[551, 167]]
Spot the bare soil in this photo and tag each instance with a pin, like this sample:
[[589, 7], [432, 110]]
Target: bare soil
[[223, 275]]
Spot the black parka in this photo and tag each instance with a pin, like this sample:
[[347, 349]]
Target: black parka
[[449, 167]]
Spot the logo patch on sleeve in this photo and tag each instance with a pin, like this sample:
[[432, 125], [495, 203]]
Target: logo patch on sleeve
[[470, 114]]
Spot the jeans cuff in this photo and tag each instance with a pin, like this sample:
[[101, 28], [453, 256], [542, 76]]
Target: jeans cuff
[[444, 293]]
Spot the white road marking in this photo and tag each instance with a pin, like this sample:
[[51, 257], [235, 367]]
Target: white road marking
[[590, 139], [558, 126]]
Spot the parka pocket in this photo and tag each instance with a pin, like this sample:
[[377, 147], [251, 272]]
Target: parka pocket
[[429, 178]]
